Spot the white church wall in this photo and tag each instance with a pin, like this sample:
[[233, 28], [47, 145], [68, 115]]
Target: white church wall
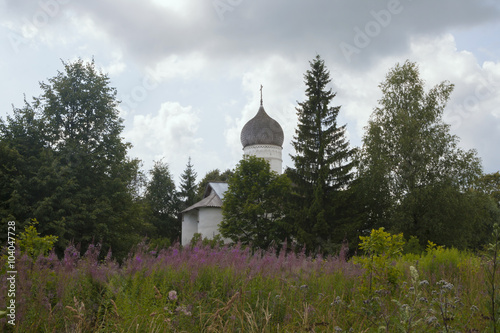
[[189, 226], [270, 153], [210, 217]]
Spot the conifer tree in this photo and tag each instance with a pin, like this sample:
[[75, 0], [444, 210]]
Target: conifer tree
[[322, 163], [188, 185]]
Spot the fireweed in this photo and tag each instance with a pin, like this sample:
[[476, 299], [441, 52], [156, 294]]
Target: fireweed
[[201, 288]]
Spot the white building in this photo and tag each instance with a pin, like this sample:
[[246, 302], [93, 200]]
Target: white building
[[204, 216], [262, 136]]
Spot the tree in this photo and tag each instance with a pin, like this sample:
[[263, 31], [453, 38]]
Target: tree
[[253, 208], [490, 184], [188, 186], [322, 163], [74, 175], [23, 156], [414, 174], [164, 202]]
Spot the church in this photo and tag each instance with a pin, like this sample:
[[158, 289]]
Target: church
[[262, 136]]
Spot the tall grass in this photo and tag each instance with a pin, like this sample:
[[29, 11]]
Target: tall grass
[[201, 288]]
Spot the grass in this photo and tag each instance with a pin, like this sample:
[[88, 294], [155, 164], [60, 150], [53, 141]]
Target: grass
[[229, 289]]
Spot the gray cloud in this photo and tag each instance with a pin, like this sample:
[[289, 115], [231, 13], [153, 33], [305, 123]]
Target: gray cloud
[[287, 27], [231, 29], [207, 54]]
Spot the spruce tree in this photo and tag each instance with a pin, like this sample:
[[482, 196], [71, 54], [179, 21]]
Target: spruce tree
[[322, 163], [188, 185]]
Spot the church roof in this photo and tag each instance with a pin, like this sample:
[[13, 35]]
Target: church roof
[[262, 129], [219, 188], [214, 194]]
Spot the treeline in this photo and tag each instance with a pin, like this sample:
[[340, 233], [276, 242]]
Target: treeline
[[63, 161], [409, 176]]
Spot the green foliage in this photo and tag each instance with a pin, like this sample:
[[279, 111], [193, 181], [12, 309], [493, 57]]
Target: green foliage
[[491, 266], [253, 208], [27, 174], [163, 200], [69, 168], [414, 176], [412, 245], [187, 191], [382, 244], [380, 248], [227, 289], [32, 244], [490, 185], [433, 248], [159, 243], [437, 259], [322, 163], [214, 242]]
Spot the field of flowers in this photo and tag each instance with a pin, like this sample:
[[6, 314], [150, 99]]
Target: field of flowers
[[207, 288]]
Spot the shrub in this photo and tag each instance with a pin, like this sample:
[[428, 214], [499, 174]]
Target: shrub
[[381, 248], [32, 244]]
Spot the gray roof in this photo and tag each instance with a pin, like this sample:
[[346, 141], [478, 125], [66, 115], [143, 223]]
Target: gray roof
[[214, 194], [219, 188], [262, 129]]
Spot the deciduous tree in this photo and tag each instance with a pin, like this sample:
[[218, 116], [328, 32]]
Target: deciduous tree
[[490, 184], [415, 175], [253, 208], [75, 176], [163, 200]]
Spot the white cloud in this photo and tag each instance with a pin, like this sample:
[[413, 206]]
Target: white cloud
[[183, 67], [116, 65], [473, 110], [171, 134]]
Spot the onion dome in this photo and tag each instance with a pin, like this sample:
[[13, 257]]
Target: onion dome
[[262, 130]]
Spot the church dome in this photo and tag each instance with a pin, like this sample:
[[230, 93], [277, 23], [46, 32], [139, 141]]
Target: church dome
[[262, 130]]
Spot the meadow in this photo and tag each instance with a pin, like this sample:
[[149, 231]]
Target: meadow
[[215, 288]]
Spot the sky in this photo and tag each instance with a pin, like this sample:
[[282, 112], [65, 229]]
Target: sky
[[188, 72]]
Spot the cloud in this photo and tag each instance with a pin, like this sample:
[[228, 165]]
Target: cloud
[[171, 133], [116, 64], [473, 110], [213, 56], [175, 66], [151, 31]]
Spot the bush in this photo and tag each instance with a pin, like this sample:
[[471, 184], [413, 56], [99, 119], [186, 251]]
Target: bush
[[32, 244], [381, 248]]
